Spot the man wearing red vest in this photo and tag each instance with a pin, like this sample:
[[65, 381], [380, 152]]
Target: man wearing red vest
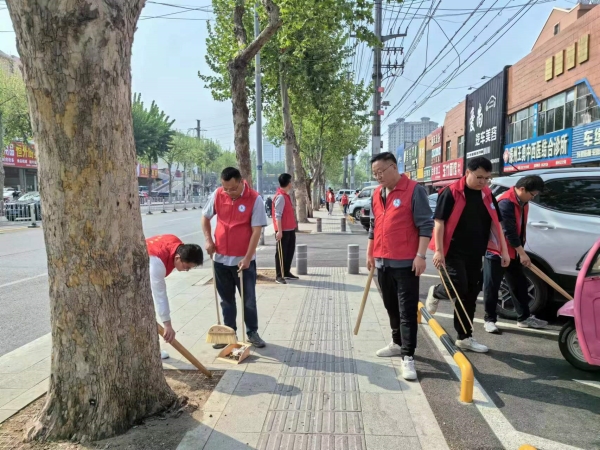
[[467, 220], [285, 225], [330, 201], [514, 207], [345, 201], [167, 253], [241, 216], [401, 227]]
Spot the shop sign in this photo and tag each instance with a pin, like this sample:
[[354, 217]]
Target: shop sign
[[550, 150], [448, 170], [436, 155], [421, 154], [420, 174], [427, 174], [411, 158], [142, 171], [586, 143], [19, 154]]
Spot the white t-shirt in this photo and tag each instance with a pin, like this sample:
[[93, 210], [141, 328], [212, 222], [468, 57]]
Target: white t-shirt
[[158, 273]]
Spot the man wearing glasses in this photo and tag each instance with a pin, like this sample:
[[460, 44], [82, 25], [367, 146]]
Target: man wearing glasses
[[241, 216], [401, 227], [467, 222]]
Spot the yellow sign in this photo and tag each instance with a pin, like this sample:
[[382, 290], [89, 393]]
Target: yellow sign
[[421, 162], [584, 49], [571, 56], [420, 174], [549, 74], [559, 63]]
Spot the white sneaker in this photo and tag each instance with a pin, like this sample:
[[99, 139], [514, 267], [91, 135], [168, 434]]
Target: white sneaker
[[431, 303], [471, 344], [532, 322], [164, 355], [408, 368], [389, 350], [491, 327]]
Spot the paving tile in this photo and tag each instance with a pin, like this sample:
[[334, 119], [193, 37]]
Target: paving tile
[[23, 380], [244, 413], [386, 414], [288, 441], [28, 396], [6, 413], [198, 437], [393, 442], [8, 395], [232, 441]]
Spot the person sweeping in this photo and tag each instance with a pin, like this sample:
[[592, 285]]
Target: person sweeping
[[285, 225], [167, 253], [240, 212]]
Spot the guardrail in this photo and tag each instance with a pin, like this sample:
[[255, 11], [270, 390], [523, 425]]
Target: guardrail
[[154, 205], [15, 212], [467, 379]]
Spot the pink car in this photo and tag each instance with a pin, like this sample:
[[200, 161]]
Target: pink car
[[579, 339]]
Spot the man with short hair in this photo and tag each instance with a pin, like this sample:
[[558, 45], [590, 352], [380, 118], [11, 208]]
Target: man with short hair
[[167, 253], [240, 212], [467, 222], [285, 226], [401, 227], [514, 207]]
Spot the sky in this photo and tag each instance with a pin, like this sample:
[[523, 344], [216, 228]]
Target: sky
[[168, 53]]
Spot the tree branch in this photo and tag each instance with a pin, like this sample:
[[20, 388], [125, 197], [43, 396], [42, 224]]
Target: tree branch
[[275, 23]]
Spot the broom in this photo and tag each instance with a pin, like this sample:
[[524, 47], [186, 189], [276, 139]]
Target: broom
[[219, 334]]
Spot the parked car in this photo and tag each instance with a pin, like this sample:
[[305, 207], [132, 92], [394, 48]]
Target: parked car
[[8, 194], [365, 217], [433, 201], [21, 209], [563, 224], [361, 201], [348, 192]]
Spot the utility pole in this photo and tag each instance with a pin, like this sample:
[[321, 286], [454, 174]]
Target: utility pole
[[345, 172], [258, 94], [377, 77], [352, 163]]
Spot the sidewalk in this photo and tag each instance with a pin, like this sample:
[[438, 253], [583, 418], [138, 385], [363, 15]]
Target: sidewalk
[[329, 224], [315, 385]]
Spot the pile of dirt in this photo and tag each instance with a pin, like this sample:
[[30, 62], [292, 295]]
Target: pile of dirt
[[161, 432]]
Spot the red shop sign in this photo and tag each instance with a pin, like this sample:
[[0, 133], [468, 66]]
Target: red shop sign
[[447, 170], [18, 154]]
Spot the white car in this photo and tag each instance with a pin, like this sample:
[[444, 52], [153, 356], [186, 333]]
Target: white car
[[362, 200], [563, 224]]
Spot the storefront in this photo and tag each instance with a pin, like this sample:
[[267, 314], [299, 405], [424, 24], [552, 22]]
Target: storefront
[[143, 174], [586, 144], [20, 166], [421, 161], [485, 120], [411, 157], [433, 155], [550, 150]]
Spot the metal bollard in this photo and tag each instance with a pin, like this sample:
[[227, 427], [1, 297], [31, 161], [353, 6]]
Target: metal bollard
[[343, 224], [302, 259], [174, 204], [185, 203], [149, 213], [319, 225], [353, 262], [32, 212], [193, 203], [164, 211]]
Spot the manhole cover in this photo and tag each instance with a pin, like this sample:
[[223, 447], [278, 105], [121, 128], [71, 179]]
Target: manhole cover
[[263, 276]]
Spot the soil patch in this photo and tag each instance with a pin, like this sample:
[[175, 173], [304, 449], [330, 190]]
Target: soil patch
[[263, 276], [162, 432]]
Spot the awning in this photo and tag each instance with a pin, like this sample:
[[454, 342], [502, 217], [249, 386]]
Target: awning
[[443, 183]]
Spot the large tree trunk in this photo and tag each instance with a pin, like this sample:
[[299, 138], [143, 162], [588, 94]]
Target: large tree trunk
[[238, 68], [106, 372], [2, 174]]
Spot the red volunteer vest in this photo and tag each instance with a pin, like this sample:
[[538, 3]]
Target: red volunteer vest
[[234, 221], [288, 221], [330, 197], [396, 236], [344, 200], [511, 196], [458, 192], [164, 247]]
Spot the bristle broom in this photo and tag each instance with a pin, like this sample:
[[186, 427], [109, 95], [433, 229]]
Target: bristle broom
[[221, 334]]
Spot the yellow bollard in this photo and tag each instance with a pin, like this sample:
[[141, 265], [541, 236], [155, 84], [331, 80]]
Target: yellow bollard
[[527, 447], [467, 379]]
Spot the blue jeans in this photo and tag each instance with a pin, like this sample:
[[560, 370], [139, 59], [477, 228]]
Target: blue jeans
[[227, 280]]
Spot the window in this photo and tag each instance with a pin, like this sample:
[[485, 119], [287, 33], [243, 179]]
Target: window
[[461, 147], [556, 113], [520, 125], [365, 193], [594, 269], [448, 151], [574, 196], [586, 107], [556, 29]]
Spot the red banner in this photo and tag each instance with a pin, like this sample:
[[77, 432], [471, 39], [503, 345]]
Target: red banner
[[563, 162], [18, 154], [447, 170], [142, 171]]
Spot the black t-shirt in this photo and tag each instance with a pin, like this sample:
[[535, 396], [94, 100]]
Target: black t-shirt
[[472, 232]]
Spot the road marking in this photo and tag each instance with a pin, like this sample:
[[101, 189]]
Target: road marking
[[508, 436], [594, 384], [190, 234], [504, 324], [8, 230], [22, 280]]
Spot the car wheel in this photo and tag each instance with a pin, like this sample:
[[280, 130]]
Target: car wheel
[[536, 289], [356, 214], [570, 349]]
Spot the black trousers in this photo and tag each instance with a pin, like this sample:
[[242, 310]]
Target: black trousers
[[288, 247], [493, 272], [400, 290], [465, 273]]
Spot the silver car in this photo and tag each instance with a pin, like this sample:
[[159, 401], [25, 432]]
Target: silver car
[[362, 200], [563, 224]]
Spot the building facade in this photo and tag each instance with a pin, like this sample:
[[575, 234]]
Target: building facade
[[406, 133], [271, 153]]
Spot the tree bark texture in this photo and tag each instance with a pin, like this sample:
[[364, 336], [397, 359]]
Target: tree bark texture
[[106, 372], [2, 173], [237, 69]]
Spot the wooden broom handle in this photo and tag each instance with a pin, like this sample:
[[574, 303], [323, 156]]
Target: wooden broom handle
[[181, 349], [216, 294], [364, 300], [550, 281]]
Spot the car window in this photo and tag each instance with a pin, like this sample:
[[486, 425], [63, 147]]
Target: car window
[[574, 195], [498, 189], [26, 197], [594, 269], [366, 193]]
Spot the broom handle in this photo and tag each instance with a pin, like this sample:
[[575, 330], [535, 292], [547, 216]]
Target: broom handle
[[281, 258], [187, 355], [216, 294], [241, 273], [364, 300], [550, 281], [456, 313]]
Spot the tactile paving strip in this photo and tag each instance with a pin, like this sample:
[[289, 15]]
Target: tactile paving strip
[[316, 403]]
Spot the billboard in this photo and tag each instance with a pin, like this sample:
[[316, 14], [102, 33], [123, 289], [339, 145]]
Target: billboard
[[400, 158], [586, 143], [484, 127], [411, 155], [549, 150], [19, 154]]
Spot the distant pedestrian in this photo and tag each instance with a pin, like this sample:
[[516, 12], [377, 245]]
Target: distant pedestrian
[[330, 200], [514, 207], [345, 201], [285, 225], [269, 206]]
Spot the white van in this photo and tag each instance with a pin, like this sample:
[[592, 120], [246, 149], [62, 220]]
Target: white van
[[362, 200], [341, 192]]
